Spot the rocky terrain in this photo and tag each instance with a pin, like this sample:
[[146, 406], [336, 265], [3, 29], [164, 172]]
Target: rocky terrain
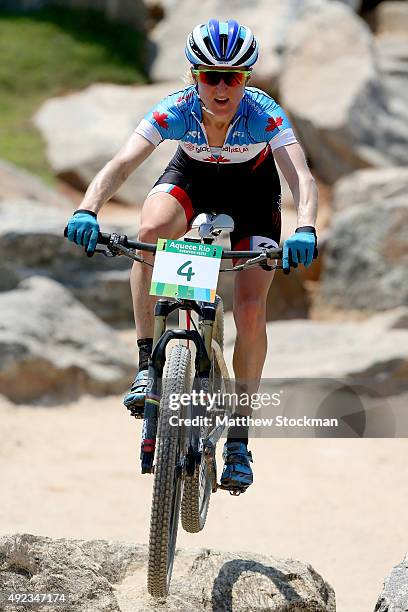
[[110, 577], [53, 346], [66, 321], [395, 593]]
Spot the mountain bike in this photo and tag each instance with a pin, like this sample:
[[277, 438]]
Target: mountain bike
[[179, 437]]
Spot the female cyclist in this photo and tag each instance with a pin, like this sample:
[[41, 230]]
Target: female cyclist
[[230, 137]]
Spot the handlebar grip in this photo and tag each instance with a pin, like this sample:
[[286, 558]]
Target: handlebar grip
[[103, 238]]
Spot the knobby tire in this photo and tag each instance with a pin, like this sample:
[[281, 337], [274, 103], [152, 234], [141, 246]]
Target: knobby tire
[[167, 486]]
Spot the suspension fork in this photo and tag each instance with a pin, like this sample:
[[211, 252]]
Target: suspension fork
[[162, 337], [207, 319], [207, 325], [162, 310]]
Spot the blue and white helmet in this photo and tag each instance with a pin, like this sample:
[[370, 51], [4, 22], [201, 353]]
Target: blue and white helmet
[[222, 43]]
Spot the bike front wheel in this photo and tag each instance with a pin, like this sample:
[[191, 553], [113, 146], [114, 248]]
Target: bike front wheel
[[168, 472], [198, 487]]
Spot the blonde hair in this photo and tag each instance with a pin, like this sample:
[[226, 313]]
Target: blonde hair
[[188, 78]]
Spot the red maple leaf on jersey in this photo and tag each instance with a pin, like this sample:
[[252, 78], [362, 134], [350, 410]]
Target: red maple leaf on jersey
[[273, 124], [160, 118]]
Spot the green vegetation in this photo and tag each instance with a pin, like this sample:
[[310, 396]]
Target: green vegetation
[[51, 52]]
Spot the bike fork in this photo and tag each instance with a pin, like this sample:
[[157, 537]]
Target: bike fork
[[155, 371], [152, 401]]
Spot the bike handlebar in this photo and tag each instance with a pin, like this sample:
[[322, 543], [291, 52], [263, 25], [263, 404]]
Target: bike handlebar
[[106, 239]]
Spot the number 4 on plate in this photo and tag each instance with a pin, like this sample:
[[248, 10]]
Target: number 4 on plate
[[188, 273]]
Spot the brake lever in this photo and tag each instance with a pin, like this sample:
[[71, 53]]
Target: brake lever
[[106, 252], [256, 260], [259, 260]]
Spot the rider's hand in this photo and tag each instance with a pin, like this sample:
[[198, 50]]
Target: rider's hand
[[83, 229], [300, 248]]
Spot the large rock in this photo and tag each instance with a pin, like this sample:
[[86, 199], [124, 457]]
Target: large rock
[[366, 257], [392, 18], [391, 43], [51, 345], [392, 56], [337, 350], [102, 284], [108, 576], [31, 242], [365, 187], [269, 20], [334, 93], [287, 297], [107, 115], [20, 184], [394, 597]]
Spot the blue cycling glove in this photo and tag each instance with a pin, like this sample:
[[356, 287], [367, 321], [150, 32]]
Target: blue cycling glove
[[83, 229], [300, 248]]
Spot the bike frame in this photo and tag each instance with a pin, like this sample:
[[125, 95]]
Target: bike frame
[[162, 336], [191, 457], [120, 245]]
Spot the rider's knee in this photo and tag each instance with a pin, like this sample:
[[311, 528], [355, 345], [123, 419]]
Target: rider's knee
[[151, 232]]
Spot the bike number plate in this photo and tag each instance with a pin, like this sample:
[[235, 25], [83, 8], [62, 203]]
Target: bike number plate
[[187, 270]]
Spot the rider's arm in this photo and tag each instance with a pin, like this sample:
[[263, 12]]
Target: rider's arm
[[292, 162], [164, 122], [268, 123], [107, 182]]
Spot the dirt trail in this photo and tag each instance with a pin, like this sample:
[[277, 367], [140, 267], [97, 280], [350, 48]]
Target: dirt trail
[[340, 505], [73, 472]]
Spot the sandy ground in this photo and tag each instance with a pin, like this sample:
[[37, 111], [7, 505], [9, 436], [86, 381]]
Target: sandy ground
[[73, 471], [340, 505]]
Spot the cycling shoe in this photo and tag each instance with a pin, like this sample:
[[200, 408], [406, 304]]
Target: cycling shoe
[[237, 473], [134, 400]]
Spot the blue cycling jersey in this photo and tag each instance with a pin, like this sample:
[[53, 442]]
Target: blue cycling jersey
[[259, 123]]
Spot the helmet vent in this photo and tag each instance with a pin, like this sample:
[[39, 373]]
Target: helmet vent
[[242, 60], [223, 44]]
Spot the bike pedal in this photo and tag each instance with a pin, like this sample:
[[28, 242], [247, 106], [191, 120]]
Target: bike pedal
[[235, 491], [136, 411]]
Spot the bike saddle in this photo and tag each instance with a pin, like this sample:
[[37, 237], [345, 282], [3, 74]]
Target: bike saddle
[[210, 225]]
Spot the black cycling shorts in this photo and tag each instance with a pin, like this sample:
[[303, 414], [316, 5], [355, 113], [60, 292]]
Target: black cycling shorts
[[250, 192]]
